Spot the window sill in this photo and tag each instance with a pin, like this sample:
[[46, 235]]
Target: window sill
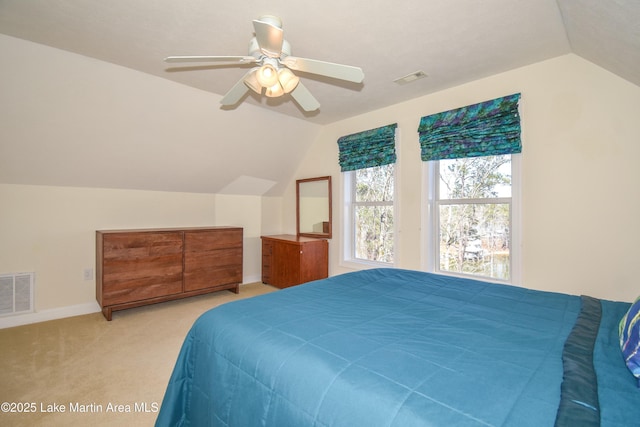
[[360, 264]]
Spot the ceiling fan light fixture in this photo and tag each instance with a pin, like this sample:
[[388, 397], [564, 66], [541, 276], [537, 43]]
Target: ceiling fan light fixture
[[273, 72], [267, 75], [274, 91], [252, 81], [287, 79]]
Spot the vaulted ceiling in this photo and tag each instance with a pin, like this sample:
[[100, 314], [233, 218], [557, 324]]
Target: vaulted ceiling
[[452, 41]]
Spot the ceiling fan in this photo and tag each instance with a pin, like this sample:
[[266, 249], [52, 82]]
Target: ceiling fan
[[272, 75]]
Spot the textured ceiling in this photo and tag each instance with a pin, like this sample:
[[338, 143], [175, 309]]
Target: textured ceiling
[[452, 41]]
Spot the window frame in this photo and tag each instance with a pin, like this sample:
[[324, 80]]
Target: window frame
[[348, 230], [430, 258]]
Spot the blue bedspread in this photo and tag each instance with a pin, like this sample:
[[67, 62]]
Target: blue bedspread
[[390, 347]]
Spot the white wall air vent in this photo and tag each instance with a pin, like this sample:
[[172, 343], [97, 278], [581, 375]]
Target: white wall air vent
[[16, 293]]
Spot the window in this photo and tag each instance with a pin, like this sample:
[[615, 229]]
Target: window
[[472, 159], [369, 222], [367, 161], [473, 216]]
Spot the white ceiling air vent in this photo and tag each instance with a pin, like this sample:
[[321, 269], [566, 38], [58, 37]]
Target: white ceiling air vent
[[416, 75], [16, 293]]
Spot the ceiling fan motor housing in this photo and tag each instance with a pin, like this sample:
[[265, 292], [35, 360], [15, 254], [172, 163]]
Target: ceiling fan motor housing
[[272, 20], [254, 49]]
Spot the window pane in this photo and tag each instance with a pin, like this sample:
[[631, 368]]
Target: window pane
[[474, 239], [374, 184], [374, 233], [475, 177]]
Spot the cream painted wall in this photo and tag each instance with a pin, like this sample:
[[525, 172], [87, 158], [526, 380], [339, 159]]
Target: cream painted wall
[[272, 216], [51, 231], [580, 176], [246, 212]]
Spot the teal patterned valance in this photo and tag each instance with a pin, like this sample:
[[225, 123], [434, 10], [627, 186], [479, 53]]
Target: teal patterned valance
[[486, 129], [374, 147]]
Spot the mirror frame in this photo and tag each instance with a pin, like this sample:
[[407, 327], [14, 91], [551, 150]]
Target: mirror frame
[[330, 223]]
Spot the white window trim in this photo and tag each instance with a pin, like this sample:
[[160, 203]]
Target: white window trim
[[516, 219], [429, 224]]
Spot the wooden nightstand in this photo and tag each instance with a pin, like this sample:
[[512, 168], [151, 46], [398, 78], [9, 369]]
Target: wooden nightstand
[[289, 260]]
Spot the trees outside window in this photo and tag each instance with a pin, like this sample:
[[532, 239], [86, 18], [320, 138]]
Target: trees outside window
[[470, 223], [473, 216], [372, 218]]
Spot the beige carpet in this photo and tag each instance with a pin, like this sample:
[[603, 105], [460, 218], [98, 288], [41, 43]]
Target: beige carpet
[[100, 373]]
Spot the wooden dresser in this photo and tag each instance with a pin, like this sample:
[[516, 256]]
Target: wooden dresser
[[147, 266], [289, 260]]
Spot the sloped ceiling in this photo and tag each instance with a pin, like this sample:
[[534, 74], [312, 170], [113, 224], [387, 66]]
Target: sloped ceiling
[[606, 33], [254, 146]]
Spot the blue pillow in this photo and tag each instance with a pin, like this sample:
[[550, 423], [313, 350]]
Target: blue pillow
[[629, 330]]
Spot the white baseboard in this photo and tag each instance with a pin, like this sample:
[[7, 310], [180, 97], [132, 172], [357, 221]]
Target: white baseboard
[[251, 279], [52, 314], [62, 312]]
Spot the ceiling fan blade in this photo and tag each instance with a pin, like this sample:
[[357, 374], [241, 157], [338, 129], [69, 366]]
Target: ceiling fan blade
[[304, 98], [236, 92], [329, 69], [225, 59], [269, 37]]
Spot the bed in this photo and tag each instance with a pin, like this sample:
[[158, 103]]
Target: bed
[[393, 347]]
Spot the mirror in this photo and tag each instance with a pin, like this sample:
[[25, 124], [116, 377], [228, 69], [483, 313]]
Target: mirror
[[314, 207]]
